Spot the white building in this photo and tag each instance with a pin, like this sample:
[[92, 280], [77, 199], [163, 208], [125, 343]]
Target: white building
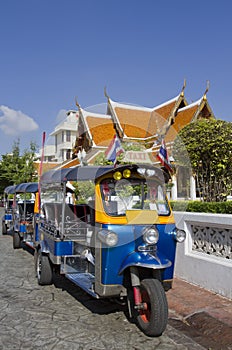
[[64, 135]]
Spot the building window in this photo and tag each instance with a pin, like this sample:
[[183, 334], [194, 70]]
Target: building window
[[62, 136], [55, 143], [62, 155], [68, 154], [68, 135]]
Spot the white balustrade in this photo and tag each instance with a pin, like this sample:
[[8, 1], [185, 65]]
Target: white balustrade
[[205, 259]]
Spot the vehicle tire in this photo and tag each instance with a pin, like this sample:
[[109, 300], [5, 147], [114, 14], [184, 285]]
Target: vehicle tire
[[153, 320], [35, 261], [16, 240], [44, 270], [4, 228]]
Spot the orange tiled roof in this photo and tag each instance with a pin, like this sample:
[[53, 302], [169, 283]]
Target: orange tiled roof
[[142, 122], [46, 166], [102, 130], [70, 163], [136, 123], [99, 127], [166, 109], [183, 118]]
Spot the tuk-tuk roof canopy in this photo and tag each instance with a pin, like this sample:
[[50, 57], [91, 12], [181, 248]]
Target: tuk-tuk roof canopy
[[81, 173], [26, 187], [10, 189]]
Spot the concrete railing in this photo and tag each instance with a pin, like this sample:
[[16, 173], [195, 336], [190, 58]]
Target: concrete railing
[[205, 258]]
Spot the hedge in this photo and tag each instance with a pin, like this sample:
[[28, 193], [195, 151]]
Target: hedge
[[202, 207]]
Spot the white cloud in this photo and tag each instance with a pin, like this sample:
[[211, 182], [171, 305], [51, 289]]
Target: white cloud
[[15, 122]]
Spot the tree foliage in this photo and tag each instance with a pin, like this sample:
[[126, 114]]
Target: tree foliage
[[206, 147], [84, 190], [16, 168]]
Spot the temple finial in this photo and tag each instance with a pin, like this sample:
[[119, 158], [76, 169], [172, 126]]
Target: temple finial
[[206, 90], [105, 93], [77, 104], [184, 85]]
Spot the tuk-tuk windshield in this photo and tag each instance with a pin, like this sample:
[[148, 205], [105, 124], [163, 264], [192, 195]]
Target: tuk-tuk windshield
[[52, 193], [133, 194]]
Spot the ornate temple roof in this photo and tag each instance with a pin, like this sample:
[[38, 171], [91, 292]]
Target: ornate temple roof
[[141, 124], [133, 123]]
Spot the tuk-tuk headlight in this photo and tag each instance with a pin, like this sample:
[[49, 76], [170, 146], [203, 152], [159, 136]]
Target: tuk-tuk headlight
[[126, 173], [117, 176], [150, 235], [180, 235], [109, 238]]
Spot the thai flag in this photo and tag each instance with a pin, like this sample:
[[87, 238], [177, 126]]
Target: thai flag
[[163, 156], [114, 149]]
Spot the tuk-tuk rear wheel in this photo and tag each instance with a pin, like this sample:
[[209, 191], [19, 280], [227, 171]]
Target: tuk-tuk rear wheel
[[152, 319], [4, 228], [44, 269], [16, 240]]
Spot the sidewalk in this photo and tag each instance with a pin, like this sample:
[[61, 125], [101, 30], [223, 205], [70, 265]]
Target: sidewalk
[[201, 314]]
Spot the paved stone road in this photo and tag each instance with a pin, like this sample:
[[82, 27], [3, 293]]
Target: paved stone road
[[62, 316]]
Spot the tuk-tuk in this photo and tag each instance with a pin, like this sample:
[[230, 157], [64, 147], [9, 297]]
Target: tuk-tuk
[[7, 219], [25, 214], [117, 240]]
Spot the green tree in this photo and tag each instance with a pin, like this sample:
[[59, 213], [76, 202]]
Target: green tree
[[84, 190], [206, 147], [101, 160], [16, 168]]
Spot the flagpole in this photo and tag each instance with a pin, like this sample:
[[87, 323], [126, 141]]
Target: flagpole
[[41, 167]]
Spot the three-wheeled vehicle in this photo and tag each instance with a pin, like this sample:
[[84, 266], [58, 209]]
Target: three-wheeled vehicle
[[25, 214], [7, 219], [117, 240]]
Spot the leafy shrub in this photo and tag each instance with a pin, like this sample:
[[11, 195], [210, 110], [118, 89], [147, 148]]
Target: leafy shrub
[[202, 207]]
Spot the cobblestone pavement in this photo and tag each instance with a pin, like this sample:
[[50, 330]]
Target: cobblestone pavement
[[62, 316]]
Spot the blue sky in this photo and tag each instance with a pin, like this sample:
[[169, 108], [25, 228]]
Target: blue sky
[[53, 51]]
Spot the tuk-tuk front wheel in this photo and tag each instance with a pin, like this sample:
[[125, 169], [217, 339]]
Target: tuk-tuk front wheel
[[44, 270], [152, 317]]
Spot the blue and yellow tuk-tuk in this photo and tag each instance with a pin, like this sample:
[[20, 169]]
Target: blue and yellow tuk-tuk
[[7, 219], [25, 214], [116, 239]]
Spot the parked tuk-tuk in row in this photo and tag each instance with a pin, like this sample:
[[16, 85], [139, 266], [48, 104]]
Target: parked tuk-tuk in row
[[116, 239], [8, 200], [25, 214]]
